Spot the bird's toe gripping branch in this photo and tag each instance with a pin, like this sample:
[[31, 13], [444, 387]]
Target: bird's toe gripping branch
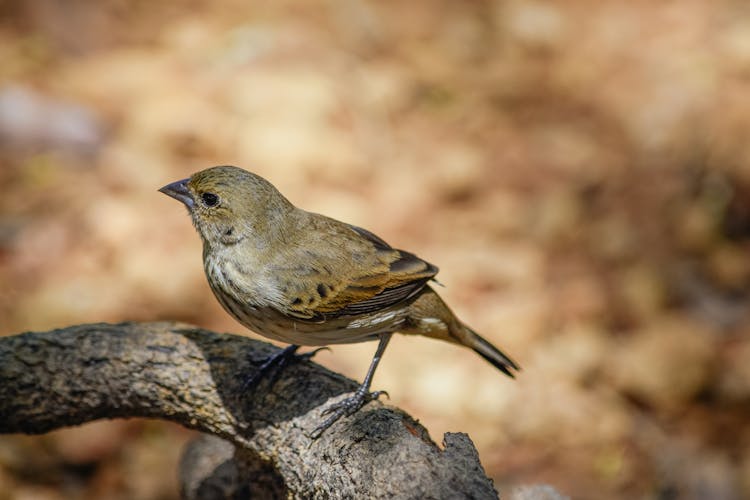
[[273, 365], [346, 407]]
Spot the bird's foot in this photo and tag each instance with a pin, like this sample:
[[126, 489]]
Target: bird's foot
[[272, 366], [346, 407]]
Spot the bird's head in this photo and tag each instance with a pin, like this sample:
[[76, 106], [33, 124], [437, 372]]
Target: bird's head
[[228, 205]]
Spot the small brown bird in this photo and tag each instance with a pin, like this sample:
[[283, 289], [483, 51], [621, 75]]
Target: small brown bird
[[306, 279]]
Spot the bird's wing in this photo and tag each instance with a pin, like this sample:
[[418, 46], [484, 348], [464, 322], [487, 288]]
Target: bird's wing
[[359, 274]]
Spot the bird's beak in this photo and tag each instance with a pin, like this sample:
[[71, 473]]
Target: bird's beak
[[179, 191]]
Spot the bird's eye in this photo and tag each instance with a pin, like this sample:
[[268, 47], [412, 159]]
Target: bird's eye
[[210, 199]]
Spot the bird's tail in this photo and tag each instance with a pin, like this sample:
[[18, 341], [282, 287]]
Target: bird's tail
[[431, 317], [495, 356]]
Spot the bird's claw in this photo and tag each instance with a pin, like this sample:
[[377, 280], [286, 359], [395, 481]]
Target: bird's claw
[[309, 355], [273, 365], [345, 407]]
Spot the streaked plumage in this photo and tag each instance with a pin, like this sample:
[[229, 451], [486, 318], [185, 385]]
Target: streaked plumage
[[307, 279]]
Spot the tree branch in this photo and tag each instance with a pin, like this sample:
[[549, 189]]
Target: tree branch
[[194, 377]]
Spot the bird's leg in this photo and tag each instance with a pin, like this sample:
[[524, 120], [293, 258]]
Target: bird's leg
[[360, 397], [274, 363]]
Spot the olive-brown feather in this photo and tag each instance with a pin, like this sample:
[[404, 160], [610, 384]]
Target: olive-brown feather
[[304, 278]]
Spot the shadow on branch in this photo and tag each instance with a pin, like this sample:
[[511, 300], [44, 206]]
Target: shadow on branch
[[194, 377]]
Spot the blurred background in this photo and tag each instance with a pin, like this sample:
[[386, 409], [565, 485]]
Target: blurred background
[[580, 172]]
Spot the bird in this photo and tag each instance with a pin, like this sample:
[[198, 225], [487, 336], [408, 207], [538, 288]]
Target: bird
[[303, 278]]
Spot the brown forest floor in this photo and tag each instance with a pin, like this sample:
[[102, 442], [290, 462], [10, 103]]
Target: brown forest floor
[[580, 172]]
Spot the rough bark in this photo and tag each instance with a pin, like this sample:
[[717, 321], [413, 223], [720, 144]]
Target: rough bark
[[194, 377]]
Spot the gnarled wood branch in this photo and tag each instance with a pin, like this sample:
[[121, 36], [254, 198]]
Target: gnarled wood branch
[[194, 377]]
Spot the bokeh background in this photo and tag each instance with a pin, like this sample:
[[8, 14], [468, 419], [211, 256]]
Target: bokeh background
[[579, 170]]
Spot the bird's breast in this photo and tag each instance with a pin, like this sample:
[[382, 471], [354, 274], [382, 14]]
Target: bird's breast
[[242, 278]]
